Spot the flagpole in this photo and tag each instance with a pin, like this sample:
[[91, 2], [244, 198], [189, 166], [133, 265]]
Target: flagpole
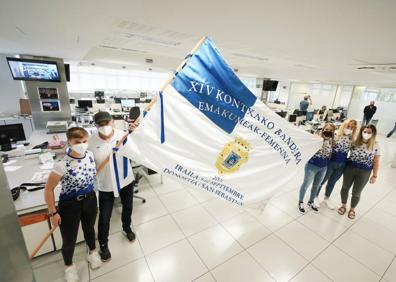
[[172, 75], [148, 108]]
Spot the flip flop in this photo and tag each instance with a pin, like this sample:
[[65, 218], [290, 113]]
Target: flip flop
[[351, 214], [341, 210]]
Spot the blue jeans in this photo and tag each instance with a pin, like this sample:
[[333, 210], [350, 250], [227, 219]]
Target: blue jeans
[[313, 174], [334, 172]]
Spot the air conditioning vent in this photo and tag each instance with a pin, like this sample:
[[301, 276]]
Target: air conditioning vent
[[122, 49], [108, 47], [385, 68], [252, 57], [150, 39], [366, 68]]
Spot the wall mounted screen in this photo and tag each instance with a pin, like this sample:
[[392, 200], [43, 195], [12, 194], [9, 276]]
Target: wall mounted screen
[[26, 69]]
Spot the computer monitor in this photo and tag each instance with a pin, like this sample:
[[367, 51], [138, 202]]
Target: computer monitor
[[100, 101], [72, 101], [282, 114], [99, 94], [13, 132], [301, 113], [336, 111], [85, 104], [117, 100], [127, 103], [292, 118]]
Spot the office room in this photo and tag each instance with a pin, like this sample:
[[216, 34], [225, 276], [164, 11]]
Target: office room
[[209, 141]]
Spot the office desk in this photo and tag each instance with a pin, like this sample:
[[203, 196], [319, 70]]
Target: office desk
[[33, 202]]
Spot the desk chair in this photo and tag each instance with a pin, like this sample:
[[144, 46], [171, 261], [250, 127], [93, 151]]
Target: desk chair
[[138, 176]]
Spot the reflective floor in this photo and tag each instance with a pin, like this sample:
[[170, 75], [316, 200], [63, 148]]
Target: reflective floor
[[186, 235]]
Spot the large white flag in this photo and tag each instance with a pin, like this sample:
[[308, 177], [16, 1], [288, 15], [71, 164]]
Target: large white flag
[[209, 131]]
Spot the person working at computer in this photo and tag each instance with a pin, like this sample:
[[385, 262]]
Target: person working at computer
[[368, 113], [77, 200], [342, 146], [112, 181], [304, 104]]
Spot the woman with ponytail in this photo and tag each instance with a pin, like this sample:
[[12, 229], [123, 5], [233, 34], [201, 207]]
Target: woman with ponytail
[[342, 146]]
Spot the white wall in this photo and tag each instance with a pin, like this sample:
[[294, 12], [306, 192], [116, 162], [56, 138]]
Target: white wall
[[329, 95], [321, 94], [386, 111], [10, 90]]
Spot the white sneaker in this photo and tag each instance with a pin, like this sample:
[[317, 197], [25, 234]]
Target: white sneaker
[[94, 260], [71, 274], [317, 202], [329, 204]]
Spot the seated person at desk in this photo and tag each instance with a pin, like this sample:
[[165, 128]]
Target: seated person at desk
[[304, 104], [77, 199], [102, 144]]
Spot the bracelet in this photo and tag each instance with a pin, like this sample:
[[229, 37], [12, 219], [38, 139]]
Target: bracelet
[[52, 214]]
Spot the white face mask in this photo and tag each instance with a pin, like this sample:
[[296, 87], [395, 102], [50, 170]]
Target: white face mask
[[80, 148], [347, 131], [106, 130], [366, 136]]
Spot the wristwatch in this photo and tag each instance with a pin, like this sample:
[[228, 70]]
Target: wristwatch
[[51, 214]]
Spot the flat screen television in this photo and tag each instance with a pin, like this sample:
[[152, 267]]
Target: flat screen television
[[270, 85], [33, 70]]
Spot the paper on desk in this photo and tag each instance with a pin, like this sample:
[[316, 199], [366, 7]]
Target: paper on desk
[[9, 162], [40, 176], [47, 166], [11, 168]]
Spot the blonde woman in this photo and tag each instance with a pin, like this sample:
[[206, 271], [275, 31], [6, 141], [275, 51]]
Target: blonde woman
[[342, 145], [363, 162], [316, 167]]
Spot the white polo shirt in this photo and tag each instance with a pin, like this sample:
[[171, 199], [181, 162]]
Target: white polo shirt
[[107, 178]]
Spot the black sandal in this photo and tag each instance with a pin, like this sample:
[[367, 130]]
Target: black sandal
[[351, 214], [341, 210]]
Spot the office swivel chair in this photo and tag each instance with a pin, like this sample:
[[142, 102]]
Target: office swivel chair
[[134, 114]]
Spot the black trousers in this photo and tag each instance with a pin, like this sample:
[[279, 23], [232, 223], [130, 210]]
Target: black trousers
[[357, 178], [71, 213], [106, 202]]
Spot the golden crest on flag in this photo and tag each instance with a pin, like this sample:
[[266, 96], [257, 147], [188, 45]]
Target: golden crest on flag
[[234, 154]]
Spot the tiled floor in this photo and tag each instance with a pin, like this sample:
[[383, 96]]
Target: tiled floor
[[186, 235]]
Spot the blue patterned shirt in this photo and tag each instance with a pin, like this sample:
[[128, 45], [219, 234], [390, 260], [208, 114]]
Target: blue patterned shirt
[[361, 157], [341, 149], [322, 156], [78, 175]]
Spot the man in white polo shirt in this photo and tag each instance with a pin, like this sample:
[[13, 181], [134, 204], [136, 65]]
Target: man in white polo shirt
[[115, 179]]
